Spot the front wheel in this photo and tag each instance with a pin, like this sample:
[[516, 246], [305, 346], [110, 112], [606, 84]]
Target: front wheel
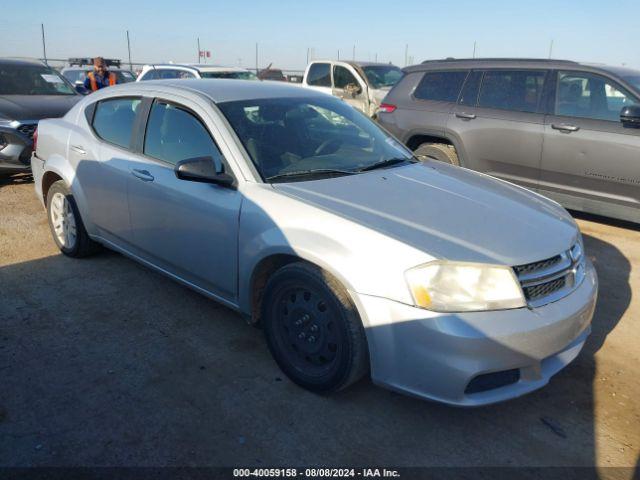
[[65, 223], [313, 330]]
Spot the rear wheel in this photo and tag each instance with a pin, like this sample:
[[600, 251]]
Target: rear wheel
[[438, 151], [313, 329], [65, 223]]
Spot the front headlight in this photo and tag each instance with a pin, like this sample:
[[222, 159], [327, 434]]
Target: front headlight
[[462, 287]]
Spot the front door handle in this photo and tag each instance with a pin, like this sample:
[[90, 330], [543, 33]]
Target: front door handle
[[465, 116], [143, 175], [563, 127], [79, 149]]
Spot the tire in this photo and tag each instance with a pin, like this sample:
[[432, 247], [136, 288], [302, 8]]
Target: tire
[[66, 224], [302, 302], [438, 151]]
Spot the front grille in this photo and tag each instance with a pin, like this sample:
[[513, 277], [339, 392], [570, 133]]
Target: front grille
[[544, 289], [532, 267], [28, 129], [548, 280]]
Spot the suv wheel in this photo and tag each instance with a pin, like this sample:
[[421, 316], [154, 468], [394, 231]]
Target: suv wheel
[[438, 151], [313, 329], [66, 225]]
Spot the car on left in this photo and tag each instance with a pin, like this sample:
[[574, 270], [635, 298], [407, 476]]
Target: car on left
[[29, 91]]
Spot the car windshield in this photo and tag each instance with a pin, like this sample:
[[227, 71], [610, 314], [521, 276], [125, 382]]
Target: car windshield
[[634, 80], [290, 139], [32, 80], [123, 76], [233, 75], [380, 76]]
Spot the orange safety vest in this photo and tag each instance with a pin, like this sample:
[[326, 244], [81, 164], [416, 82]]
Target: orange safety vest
[[94, 83]]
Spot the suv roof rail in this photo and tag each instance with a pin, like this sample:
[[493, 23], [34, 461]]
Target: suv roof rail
[[82, 61], [498, 59]]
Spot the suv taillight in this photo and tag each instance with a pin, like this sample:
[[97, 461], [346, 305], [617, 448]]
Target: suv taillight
[[386, 108], [35, 139]]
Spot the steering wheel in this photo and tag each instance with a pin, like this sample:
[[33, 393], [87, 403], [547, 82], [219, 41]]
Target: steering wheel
[[336, 142]]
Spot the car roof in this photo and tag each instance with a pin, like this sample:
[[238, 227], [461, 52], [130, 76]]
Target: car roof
[[223, 90], [465, 63], [197, 66], [21, 61]]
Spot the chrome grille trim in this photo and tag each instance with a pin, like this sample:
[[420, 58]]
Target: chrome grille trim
[[551, 279]]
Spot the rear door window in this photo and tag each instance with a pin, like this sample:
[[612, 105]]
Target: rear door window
[[469, 95], [113, 120], [319, 75], [517, 90], [440, 86], [174, 134]]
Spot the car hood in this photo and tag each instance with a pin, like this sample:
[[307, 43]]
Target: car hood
[[447, 212], [36, 107]]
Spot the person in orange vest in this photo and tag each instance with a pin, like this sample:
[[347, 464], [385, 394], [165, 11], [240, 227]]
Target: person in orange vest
[[100, 77]]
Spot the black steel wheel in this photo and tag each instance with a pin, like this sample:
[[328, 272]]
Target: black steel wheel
[[313, 329]]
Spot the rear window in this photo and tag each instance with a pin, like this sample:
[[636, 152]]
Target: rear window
[[512, 90], [113, 120], [319, 75], [440, 86]]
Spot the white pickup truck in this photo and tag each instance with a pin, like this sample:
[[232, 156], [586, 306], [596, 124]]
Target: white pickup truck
[[361, 84]]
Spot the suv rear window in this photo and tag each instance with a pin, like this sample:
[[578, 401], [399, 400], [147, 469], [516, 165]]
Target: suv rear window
[[440, 86], [319, 75], [518, 90]]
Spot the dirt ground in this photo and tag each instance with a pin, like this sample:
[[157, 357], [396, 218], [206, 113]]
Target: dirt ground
[[103, 362]]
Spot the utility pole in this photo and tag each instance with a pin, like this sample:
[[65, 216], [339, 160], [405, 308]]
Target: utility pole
[[354, 53], [129, 50], [474, 49], [198, 61], [338, 54], [406, 54], [376, 58], [307, 55], [550, 49], [256, 58], [44, 45]]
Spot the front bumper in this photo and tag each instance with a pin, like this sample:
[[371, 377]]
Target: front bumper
[[15, 150], [437, 356]]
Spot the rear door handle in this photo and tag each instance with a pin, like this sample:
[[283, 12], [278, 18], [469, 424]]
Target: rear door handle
[[563, 127], [143, 175], [465, 116], [79, 149]]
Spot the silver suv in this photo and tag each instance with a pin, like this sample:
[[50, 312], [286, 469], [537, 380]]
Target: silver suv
[[567, 130]]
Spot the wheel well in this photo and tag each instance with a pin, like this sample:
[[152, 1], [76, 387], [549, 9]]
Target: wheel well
[[48, 179], [261, 274], [417, 140]]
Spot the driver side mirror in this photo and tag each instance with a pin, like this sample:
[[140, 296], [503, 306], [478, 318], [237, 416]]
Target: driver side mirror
[[630, 116], [79, 86], [204, 170], [353, 89]]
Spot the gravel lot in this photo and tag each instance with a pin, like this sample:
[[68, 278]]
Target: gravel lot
[[103, 362]]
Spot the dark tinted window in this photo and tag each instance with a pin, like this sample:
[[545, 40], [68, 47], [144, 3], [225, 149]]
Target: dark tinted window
[[342, 77], [150, 75], [113, 120], [469, 95], [25, 79], [319, 75], [167, 73], [590, 96], [174, 134], [440, 86], [512, 90]]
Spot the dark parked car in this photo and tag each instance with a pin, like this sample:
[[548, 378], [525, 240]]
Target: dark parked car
[[567, 130], [29, 91]]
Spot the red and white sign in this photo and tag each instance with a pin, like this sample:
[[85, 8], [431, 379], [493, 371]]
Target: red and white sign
[[205, 53]]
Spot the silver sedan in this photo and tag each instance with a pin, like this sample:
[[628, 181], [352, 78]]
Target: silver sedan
[[299, 212]]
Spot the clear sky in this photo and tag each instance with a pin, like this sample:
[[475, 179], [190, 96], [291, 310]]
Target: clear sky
[[166, 30]]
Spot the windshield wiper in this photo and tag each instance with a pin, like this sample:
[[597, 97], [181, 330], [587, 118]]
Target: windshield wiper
[[386, 163], [302, 173]]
